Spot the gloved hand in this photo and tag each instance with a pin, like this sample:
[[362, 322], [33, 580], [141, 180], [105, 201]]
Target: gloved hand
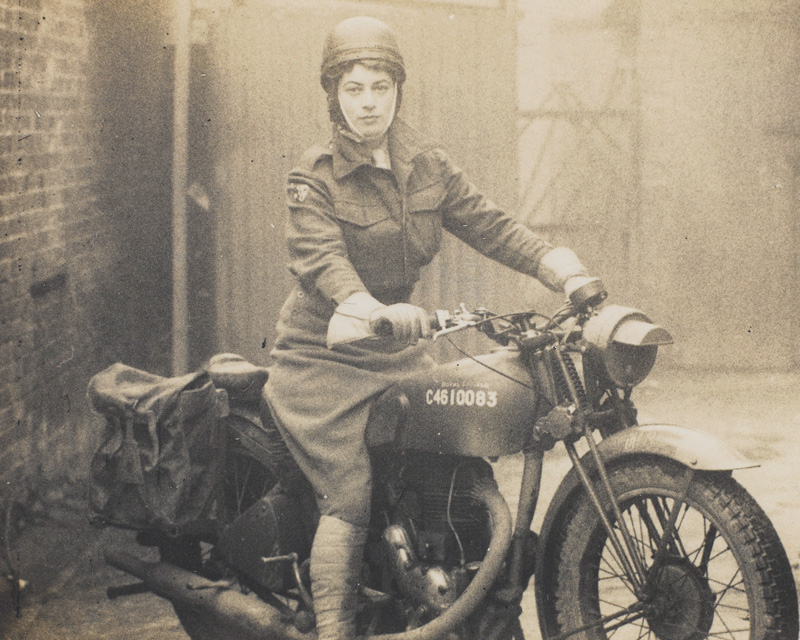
[[561, 270], [557, 266], [409, 322]]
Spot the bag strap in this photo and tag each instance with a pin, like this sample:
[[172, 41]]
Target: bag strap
[[131, 471]]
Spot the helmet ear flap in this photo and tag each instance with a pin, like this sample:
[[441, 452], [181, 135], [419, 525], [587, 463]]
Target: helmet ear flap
[[335, 109]]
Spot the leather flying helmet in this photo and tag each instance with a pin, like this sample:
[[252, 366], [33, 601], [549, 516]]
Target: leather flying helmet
[[356, 39]]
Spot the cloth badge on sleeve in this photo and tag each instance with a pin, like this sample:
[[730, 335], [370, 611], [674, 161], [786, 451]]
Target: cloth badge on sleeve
[[298, 192]]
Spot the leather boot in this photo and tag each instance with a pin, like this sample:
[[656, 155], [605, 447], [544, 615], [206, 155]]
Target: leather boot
[[336, 559]]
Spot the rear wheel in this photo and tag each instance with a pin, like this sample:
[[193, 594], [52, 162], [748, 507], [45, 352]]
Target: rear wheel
[[721, 573], [246, 481]]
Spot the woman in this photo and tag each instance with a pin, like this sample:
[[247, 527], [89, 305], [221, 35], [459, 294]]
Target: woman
[[366, 214]]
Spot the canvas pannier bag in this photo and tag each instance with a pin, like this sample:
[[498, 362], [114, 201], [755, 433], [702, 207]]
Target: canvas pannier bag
[[162, 459]]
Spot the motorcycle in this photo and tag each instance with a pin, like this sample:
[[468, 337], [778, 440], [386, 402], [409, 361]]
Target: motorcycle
[[648, 534]]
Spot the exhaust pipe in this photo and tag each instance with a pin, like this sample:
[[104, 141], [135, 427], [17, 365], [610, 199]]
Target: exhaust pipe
[[243, 616], [252, 618]]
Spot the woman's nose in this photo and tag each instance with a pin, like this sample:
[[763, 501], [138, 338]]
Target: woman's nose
[[369, 100]]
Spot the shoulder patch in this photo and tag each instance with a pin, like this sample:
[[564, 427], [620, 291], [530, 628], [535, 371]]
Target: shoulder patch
[[297, 191]]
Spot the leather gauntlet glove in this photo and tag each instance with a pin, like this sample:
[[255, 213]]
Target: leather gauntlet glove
[[409, 322], [351, 320], [557, 267], [561, 270]]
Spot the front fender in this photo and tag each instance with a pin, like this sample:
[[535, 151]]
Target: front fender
[[695, 449]]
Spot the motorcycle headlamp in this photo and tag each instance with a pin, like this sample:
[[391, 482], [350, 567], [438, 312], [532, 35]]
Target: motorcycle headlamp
[[622, 344]]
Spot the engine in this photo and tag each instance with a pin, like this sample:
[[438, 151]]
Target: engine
[[437, 533]]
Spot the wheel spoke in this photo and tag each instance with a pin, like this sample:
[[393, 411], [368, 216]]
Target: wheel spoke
[[648, 526], [634, 618], [669, 537], [678, 525], [247, 480], [634, 609], [728, 632], [731, 586], [727, 586], [734, 607], [725, 624], [619, 573], [636, 527]]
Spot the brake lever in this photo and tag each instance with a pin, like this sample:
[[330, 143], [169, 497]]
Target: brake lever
[[463, 324]]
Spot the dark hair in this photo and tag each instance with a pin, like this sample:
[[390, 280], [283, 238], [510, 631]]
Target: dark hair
[[330, 82]]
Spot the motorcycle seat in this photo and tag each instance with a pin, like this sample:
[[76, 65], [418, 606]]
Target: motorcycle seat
[[240, 378]]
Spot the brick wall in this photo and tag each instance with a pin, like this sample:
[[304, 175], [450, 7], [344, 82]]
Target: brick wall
[[69, 287]]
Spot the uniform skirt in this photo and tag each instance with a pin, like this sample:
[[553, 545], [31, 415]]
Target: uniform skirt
[[320, 399]]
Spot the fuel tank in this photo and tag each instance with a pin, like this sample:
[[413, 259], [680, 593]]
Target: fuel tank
[[484, 406]]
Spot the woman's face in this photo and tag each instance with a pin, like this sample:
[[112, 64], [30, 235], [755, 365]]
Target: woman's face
[[367, 99]]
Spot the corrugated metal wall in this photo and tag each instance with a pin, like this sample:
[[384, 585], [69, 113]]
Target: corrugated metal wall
[[263, 107], [671, 166]]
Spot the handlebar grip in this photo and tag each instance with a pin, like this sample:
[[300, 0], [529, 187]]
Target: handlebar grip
[[382, 327], [539, 341], [590, 294]]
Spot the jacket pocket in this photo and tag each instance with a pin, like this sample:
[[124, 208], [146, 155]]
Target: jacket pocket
[[425, 219], [360, 215]]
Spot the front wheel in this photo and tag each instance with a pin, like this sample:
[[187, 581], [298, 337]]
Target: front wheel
[[713, 564]]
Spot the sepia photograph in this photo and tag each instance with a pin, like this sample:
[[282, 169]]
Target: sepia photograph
[[401, 319]]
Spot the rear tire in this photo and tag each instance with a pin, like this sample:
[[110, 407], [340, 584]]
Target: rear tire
[[246, 481], [725, 575]]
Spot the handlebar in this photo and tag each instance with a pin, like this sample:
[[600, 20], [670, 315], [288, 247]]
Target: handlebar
[[444, 322], [590, 294], [529, 329]]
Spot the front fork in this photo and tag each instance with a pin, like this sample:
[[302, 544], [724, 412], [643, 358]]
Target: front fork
[[622, 541], [598, 488]]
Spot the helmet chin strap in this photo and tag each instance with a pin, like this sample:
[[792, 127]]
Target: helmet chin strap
[[352, 131]]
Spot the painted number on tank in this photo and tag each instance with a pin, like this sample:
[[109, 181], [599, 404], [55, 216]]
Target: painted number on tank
[[461, 397]]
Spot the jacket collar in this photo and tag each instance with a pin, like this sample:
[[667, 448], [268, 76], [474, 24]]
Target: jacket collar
[[405, 144]]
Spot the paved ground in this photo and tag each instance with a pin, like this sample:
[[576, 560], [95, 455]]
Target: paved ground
[[59, 554]]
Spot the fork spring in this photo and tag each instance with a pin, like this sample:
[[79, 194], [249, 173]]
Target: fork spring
[[561, 383]]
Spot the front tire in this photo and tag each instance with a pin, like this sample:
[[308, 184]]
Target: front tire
[[724, 574]]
